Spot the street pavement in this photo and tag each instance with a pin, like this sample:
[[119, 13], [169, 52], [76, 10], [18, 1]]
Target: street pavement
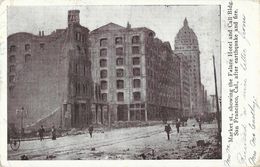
[[127, 143]]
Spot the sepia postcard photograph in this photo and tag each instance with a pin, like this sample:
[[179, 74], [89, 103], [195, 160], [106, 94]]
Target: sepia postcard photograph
[[114, 82], [129, 83]]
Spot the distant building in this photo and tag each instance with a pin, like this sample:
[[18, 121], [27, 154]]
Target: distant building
[[185, 87], [137, 74], [186, 43], [50, 76]]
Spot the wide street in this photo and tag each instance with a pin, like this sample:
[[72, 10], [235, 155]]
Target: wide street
[[127, 143]]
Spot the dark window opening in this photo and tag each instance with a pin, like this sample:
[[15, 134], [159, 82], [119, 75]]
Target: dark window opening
[[103, 63], [119, 40], [137, 83], [104, 97], [103, 52], [103, 74], [120, 84], [119, 51], [136, 72], [120, 96], [136, 61], [119, 72], [103, 42], [137, 96], [135, 50], [119, 61], [103, 85], [135, 40], [12, 48], [27, 47]]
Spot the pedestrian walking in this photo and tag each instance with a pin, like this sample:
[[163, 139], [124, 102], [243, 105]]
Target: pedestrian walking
[[199, 121], [178, 124], [90, 130], [53, 132], [167, 129], [41, 132]]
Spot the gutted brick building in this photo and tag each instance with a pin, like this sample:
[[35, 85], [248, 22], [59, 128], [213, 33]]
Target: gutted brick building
[[50, 76], [135, 73]]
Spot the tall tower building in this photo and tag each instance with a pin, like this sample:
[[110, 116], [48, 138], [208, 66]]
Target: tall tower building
[[186, 43]]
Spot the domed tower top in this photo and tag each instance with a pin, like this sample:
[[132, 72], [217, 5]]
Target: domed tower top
[[186, 39]]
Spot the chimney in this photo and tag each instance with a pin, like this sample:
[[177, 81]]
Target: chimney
[[42, 33], [73, 17], [128, 25]]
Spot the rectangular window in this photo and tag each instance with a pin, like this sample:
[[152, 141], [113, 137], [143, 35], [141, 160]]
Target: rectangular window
[[12, 59], [135, 40], [119, 84], [118, 40], [103, 63], [119, 61], [103, 74], [136, 60], [119, 72], [12, 48], [119, 51], [137, 83], [27, 47], [104, 97], [137, 96], [12, 68], [136, 72], [103, 42], [103, 52], [135, 50], [120, 96], [103, 85]]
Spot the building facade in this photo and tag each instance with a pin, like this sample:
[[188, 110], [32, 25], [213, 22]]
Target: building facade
[[50, 75], [135, 73], [186, 43]]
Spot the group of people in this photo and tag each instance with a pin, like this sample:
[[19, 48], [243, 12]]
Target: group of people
[[41, 132], [168, 128]]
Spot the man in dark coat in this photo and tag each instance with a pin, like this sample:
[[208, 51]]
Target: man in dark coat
[[178, 124], [41, 132], [167, 130], [90, 130], [53, 133]]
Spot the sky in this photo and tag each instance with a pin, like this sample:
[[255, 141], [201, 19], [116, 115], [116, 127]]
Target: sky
[[165, 21]]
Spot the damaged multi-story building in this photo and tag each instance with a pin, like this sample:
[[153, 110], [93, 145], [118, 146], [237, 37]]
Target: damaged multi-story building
[[49, 76], [138, 75]]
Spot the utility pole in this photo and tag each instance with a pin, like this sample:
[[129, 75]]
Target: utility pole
[[216, 92]]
